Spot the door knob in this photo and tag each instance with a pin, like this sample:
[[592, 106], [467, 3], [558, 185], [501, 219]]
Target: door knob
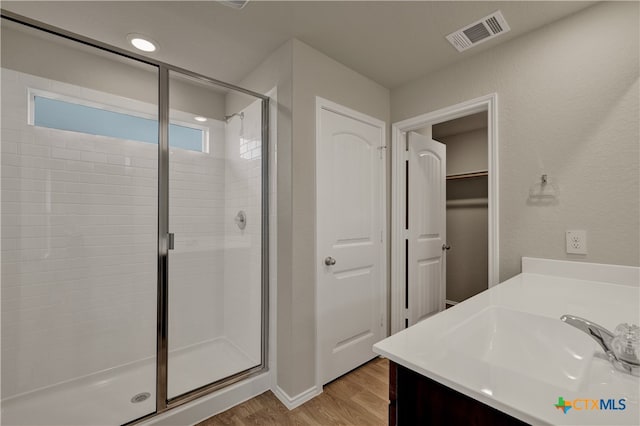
[[329, 261], [446, 247]]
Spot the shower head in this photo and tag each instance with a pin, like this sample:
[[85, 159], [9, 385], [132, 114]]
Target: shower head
[[229, 117]]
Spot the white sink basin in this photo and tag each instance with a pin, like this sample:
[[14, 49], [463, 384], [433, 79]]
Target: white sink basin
[[507, 348], [541, 348]]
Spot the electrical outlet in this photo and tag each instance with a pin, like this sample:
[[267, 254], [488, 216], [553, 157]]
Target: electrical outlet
[[577, 242]]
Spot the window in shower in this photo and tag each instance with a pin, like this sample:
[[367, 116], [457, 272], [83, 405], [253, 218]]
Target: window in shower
[[64, 113]]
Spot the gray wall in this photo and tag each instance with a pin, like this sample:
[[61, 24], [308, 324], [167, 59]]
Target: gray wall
[[466, 152], [276, 71], [467, 234], [568, 107]]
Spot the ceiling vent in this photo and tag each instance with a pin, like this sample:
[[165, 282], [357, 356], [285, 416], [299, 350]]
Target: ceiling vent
[[480, 31]]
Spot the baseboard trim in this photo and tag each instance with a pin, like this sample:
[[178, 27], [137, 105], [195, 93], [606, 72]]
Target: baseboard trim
[[298, 400]]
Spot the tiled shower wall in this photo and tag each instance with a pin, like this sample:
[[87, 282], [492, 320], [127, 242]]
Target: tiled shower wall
[[79, 246], [196, 265], [243, 183]]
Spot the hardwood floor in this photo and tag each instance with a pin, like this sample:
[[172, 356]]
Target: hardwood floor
[[360, 397]]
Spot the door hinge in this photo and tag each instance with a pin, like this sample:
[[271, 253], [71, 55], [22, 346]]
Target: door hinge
[[381, 150]]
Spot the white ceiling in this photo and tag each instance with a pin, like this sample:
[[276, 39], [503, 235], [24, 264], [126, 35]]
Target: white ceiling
[[391, 42]]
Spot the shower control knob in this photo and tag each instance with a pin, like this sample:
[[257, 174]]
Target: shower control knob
[[329, 261]]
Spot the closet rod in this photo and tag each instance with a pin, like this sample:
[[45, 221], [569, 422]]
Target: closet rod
[[468, 175], [468, 202]]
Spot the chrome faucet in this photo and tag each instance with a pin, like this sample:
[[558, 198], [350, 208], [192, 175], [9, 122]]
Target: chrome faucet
[[622, 347]]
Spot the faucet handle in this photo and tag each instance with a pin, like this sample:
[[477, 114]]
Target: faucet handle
[[622, 347], [626, 343]]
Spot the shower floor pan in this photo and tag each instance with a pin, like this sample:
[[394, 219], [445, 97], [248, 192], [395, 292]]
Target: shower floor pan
[[107, 398]]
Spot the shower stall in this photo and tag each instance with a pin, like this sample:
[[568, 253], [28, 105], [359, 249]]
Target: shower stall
[[134, 231]]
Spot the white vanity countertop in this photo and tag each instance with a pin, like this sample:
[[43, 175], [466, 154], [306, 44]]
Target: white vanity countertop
[[526, 386]]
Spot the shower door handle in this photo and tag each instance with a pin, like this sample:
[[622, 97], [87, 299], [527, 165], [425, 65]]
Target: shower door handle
[[171, 241]]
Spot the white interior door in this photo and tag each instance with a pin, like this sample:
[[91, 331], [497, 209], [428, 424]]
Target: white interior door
[[350, 252], [427, 227]]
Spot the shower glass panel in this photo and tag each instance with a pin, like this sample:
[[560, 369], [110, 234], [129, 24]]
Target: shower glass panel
[[79, 148], [215, 195]]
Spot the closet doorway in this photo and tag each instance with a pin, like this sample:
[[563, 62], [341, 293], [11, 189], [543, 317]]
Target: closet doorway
[[466, 213], [467, 202]]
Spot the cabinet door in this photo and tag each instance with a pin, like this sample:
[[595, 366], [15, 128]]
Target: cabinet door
[[420, 400]]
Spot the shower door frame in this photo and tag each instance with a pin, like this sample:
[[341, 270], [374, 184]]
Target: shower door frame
[[163, 404]]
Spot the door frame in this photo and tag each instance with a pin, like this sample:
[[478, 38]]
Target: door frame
[[399, 129], [325, 104]]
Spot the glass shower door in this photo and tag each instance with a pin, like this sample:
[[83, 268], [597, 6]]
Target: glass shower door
[[102, 321], [79, 232], [215, 214]]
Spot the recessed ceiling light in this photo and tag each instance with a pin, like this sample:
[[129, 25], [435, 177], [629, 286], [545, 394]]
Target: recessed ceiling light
[[236, 4], [200, 119], [142, 42]]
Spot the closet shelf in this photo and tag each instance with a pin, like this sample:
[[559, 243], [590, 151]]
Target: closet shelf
[[468, 175]]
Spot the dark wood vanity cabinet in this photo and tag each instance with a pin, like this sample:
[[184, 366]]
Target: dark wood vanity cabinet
[[417, 400]]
